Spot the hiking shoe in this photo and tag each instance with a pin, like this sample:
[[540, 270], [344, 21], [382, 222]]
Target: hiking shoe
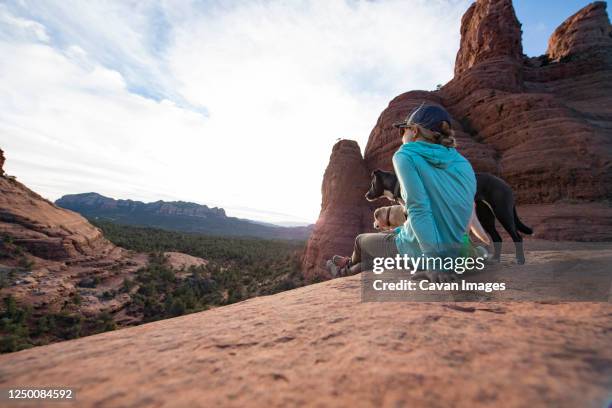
[[338, 265]]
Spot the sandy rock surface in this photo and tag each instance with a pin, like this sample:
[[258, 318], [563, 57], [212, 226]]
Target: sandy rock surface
[[179, 260], [44, 229], [321, 346]]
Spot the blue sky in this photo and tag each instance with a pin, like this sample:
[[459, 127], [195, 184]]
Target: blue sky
[[540, 18], [208, 101]]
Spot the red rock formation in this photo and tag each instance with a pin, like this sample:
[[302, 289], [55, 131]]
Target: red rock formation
[[51, 249], [489, 29], [563, 221], [543, 124], [1, 162], [549, 125], [584, 30], [44, 229], [344, 210], [384, 139]]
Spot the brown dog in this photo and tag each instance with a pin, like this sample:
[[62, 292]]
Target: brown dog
[[386, 218], [393, 216]]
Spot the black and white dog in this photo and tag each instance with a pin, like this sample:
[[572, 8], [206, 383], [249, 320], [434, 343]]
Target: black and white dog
[[494, 199]]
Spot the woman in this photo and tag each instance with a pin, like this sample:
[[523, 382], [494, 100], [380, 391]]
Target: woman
[[438, 186]]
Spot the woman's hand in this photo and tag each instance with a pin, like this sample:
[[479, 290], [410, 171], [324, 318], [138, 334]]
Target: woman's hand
[[435, 276]]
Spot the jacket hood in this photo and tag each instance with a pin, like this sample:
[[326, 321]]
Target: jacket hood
[[435, 154]]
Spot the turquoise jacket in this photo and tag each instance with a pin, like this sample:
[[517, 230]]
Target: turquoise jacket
[[438, 187]]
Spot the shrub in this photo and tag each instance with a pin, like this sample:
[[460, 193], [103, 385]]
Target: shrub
[[13, 326], [89, 282], [25, 263], [103, 322]]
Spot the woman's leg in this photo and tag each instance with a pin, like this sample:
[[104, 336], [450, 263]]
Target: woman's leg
[[369, 246]]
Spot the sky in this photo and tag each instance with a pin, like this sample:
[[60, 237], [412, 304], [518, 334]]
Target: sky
[[228, 103]]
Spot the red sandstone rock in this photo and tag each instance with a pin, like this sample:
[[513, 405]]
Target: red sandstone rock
[[44, 229], [51, 251], [546, 128], [63, 249], [344, 210], [180, 261], [489, 28], [550, 126], [566, 221], [588, 28], [321, 346], [384, 139]]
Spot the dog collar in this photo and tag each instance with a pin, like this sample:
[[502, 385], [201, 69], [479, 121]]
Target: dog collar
[[388, 216]]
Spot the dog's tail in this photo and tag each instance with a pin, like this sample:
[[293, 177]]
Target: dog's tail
[[520, 226]]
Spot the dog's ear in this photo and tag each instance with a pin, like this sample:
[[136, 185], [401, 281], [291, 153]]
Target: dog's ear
[[375, 172]]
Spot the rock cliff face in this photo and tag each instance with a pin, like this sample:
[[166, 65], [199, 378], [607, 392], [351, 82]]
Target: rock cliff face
[[1, 162], [51, 249], [44, 229], [589, 28], [489, 29], [384, 139], [548, 123], [543, 124], [344, 210]]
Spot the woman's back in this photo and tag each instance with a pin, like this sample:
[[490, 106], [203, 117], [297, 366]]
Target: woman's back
[[438, 186]]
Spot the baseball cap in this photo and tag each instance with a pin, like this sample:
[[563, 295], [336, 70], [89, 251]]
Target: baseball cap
[[428, 116]]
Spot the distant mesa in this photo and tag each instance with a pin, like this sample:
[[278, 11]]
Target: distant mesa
[[177, 216], [98, 202]]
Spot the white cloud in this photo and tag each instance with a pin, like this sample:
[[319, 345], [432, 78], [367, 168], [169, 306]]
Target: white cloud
[[20, 28], [280, 82]]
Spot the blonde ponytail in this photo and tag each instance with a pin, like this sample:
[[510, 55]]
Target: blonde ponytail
[[446, 136]]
